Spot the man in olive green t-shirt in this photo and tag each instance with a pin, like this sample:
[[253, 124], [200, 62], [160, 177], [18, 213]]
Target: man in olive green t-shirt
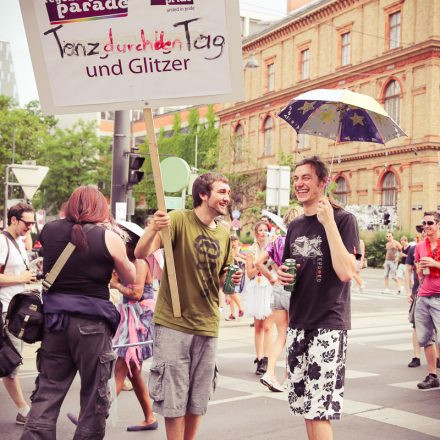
[[183, 372]]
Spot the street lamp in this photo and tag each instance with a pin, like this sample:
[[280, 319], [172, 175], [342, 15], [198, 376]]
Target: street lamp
[[252, 62]]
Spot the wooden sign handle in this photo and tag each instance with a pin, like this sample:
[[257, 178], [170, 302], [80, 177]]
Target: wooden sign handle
[[160, 195]]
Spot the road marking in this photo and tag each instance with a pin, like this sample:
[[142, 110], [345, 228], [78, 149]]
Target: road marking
[[404, 419], [376, 338], [401, 419], [407, 346], [378, 330], [412, 386]]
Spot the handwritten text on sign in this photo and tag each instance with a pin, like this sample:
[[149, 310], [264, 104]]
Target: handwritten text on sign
[[120, 50]]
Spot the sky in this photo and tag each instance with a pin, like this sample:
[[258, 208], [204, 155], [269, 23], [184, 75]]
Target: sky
[[12, 30]]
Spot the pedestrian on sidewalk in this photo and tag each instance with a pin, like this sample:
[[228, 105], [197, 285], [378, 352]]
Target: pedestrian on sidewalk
[[183, 374], [393, 247], [258, 294], [14, 276], [136, 326], [360, 264], [427, 308], [80, 320], [324, 242], [234, 298], [280, 301]]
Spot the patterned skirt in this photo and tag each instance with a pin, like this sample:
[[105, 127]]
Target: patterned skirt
[[136, 326]]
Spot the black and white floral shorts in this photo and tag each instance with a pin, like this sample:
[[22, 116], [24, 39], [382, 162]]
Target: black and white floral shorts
[[316, 361]]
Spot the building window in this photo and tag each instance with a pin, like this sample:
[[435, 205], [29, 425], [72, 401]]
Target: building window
[[389, 189], [271, 77], [302, 142], [238, 143], [268, 136], [345, 49], [394, 21], [341, 191], [305, 64], [392, 100]]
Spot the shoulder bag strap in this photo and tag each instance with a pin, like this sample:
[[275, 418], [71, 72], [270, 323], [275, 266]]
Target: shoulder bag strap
[[11, 238], [56, 268], [3, 267]]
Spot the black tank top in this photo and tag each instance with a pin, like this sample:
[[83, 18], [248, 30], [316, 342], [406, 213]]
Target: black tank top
[[84, 273]]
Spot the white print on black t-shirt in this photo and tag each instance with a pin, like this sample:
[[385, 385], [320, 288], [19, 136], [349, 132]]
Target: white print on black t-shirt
[[309, 248]]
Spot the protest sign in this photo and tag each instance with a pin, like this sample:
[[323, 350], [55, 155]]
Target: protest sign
[[123, 54]]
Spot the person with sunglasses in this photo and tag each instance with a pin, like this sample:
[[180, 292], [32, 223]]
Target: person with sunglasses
[[427, 308], [14, 275]]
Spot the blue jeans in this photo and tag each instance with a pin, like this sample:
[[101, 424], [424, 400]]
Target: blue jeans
[[427, 319]]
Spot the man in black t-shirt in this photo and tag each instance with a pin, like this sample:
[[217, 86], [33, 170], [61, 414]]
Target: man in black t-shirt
[[324, 242]]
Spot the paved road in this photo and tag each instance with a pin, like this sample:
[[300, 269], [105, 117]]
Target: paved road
[[382, 401]]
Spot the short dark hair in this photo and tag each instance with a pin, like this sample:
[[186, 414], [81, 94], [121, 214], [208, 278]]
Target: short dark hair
[[318, 165], [203, 185], [434, 214], [18, 210]]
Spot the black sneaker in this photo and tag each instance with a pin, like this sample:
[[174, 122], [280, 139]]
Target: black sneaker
[[263, 366], [429, 382], [415, 362]]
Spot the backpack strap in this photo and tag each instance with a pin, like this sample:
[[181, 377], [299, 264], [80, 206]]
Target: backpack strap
[[3, 267], [11, 238]]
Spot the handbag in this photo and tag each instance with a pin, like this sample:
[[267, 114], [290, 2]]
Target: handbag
[[412, 309], [25, 318], [10, 358]]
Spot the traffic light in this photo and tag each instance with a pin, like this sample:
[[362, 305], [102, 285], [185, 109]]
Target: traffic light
[[386, 219], [134, 164]]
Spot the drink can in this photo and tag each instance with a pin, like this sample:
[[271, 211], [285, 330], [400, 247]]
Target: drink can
[[229, 287], [291, 264]]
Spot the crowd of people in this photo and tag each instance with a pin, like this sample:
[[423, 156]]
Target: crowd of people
[[85, 332]]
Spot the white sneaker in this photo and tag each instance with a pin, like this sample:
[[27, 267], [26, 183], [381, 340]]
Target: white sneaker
[[273, 385]]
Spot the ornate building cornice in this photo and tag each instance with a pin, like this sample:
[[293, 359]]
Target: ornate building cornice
[[297, 22]]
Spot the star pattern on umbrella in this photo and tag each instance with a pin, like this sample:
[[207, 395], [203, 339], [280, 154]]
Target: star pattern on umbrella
[[357, 119], [307, 106], [327, 116]]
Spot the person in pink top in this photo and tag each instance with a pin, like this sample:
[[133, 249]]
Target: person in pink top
[[427, 309]]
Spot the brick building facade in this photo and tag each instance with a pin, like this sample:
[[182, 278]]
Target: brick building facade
[[387, 49]]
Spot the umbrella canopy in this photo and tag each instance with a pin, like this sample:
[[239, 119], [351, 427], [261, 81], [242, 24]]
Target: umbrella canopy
[[275, 219], [341, 115]]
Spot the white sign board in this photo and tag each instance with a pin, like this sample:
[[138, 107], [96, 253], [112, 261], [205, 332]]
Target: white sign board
[[278, 186], [174, 203], [120, 211], [124, 54], [29, 177]]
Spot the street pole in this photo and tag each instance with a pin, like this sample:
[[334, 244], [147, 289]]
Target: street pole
[[121, 148], [5, 207]]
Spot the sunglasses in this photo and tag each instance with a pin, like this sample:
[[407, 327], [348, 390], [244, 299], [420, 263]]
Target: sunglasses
[[28, 224], [428, 223]]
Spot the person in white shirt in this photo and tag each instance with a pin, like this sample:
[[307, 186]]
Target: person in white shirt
[[14, 275]]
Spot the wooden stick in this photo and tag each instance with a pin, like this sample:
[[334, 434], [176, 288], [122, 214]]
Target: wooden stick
[[160, 195]]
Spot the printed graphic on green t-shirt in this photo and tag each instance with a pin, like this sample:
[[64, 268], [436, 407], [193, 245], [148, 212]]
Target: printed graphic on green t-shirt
[[200, 256]]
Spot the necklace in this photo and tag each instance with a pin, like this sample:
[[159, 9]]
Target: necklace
[[433, 271]]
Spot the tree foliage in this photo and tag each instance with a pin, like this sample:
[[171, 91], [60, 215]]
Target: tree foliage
[[75, 156]]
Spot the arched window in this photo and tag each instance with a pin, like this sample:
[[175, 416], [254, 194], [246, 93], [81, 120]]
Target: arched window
[[341, 192], [238, 143], [389, 189], [268, 136], [392, 100]]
